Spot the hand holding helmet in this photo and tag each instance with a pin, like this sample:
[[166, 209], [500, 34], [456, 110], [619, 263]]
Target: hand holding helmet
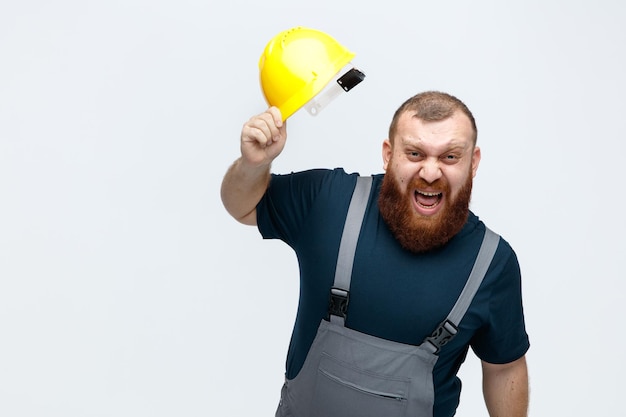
[[299, 67], [263, 137]]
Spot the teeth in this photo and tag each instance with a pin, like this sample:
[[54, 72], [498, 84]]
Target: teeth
[[429, 194]]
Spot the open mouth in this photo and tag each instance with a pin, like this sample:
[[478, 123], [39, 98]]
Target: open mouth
[[427, 200]]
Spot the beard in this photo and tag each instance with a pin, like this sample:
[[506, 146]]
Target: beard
[[415, 232]]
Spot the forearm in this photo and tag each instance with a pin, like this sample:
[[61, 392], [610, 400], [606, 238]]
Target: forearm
[[243, 187], [505, 388]]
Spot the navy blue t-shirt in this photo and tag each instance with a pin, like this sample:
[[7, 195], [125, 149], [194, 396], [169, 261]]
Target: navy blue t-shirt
[[394, 294]]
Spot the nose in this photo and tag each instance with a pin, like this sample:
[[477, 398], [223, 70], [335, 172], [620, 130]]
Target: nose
[[430, 171]]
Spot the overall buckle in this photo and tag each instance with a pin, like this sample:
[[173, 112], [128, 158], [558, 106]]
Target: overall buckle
[[338, 304], [444, 333]]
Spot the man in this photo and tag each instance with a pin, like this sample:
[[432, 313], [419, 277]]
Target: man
[[417, 246]]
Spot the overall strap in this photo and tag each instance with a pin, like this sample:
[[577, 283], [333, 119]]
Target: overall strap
[[339, 293], [449, 328]]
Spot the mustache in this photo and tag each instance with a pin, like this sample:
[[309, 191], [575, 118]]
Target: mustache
[[439, 185]]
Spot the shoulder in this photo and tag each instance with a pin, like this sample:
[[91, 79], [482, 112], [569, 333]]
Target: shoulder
[[294, 200], [312, 182], [504, 252], [504, 277], [315, 174]]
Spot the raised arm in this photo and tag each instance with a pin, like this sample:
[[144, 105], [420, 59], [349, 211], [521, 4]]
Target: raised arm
[[505, 388], [262, 140]]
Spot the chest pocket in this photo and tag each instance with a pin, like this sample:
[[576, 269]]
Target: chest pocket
[[352, 374]]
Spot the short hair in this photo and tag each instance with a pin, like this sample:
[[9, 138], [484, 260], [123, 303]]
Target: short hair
[[432, 106]]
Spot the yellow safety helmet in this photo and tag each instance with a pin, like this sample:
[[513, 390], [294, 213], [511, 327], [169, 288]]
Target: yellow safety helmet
[[297, 64]]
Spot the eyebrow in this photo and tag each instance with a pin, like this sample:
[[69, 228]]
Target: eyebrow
[[452, 144]]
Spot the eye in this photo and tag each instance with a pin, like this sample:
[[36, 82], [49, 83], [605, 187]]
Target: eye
[[414, 155], [451, 158]]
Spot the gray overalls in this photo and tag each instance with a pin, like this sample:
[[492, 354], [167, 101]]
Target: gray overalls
[[351, 374]]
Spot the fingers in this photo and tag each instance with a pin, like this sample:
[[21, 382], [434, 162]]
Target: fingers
[[278, 117], [264, 129]]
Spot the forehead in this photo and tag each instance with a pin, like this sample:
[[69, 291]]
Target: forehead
[[455, 130]]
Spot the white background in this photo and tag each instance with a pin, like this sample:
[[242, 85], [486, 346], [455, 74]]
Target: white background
[[126, 289]]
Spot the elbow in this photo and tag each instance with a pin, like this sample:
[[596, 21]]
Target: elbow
[[244, 217], [247, 219]]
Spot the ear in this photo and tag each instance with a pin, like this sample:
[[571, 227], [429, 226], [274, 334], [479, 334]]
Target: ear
[[475, 160], [387, 150]]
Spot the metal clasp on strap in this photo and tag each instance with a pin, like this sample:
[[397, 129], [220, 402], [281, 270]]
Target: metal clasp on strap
[[350, 79], [444, 333], [338, 304]]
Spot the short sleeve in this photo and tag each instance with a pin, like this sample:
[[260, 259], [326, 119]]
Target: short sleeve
[[503, 338], [284, 208]]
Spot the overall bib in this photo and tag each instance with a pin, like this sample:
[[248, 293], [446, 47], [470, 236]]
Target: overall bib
[[351, 374]]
